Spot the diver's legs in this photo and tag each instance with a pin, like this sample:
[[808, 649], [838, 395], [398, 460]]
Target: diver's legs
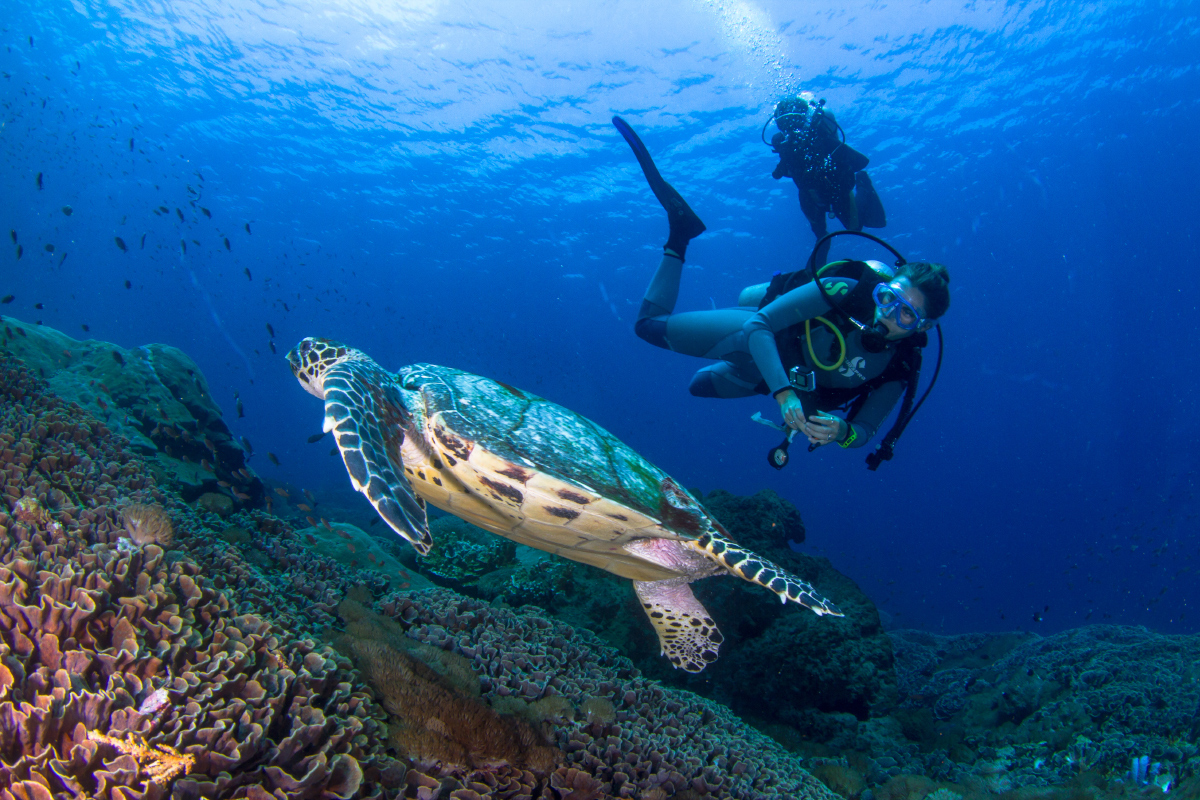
[[847, 211], [814, 211], [684, 224], [725, 381]]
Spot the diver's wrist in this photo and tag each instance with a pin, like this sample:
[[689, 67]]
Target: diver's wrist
[[781, 396]]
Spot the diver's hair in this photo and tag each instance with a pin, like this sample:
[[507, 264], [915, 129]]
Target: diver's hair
[[933, 280]]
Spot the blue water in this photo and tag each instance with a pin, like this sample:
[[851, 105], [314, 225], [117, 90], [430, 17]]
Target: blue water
[[440, 182]]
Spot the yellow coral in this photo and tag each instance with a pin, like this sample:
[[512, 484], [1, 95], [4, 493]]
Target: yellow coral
[[160, 763]]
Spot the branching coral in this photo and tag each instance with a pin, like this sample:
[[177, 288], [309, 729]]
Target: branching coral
[[160, 763], [148, 524]]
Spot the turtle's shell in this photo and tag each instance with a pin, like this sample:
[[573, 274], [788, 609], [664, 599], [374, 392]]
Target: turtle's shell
[[562, 482]]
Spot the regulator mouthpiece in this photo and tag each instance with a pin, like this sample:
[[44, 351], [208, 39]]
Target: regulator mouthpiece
[[874, 338]]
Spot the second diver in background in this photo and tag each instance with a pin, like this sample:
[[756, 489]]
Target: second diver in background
[[786, 340], [829, 174]]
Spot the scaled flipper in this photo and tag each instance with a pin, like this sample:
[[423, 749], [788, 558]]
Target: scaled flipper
[[688, 636], [369, 423]]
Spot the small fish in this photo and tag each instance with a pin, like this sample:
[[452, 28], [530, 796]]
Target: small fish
[[20, 251], [143, 241], [224, 484], [274, 459], [310, 497], [316, 437], [312, 522], [120, 244], [333, 452], [128, 285], [205, 212], [329, 527], [247, 447], [249, 277], [195, 243], [281, 492], [205, 465], [8, 298], [247, 226], [241, 495], [131, 144], [303, 507], [272, 346], [40, 306], [61, 259], [183, 246], [241, 411], [270, 330], [85, 328], [227, 247], [39, 180], [285, 306], [104, 405], [13, 234], [68, 210], [164, 209], [117, 357], [179, 212], [49, 248]]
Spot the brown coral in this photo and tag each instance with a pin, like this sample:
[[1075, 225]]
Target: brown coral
[[160, 763], [436, 724], [148, 524]]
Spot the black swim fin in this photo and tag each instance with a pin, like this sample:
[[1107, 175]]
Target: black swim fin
[[685, 225], [870, 207]]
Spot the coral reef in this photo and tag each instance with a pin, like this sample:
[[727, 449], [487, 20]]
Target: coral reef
[[92, 635], [148, 524], [154, 396]]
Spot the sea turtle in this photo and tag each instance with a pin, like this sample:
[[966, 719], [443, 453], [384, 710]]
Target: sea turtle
[[534, 472]]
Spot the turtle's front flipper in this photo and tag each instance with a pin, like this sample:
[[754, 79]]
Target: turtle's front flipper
[[688, 636], [752, 567], [369, 422]]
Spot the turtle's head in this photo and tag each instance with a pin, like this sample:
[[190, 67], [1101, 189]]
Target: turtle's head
[[311, 358]]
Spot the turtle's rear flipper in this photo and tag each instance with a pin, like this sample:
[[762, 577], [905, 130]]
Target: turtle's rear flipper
[[369, 424], [688, 636]]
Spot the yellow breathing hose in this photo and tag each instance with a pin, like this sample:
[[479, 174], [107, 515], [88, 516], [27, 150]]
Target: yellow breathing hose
[[841, 343]]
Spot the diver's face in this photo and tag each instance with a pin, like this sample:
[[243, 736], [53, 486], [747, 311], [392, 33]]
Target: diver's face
[[915, 298]]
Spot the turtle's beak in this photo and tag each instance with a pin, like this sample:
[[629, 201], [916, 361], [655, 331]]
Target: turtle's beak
[[306, 376]]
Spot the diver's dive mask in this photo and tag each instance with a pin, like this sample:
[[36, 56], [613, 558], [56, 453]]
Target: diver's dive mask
[[892, 304]]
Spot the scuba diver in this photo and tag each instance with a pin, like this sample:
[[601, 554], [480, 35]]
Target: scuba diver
[[802, 341], [828, 173]]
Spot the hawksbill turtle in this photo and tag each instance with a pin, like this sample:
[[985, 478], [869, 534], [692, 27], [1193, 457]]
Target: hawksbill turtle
[[536, 473]]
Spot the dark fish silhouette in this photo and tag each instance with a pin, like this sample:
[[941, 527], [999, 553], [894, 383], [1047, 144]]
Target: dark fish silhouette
[[272, 346], [131, 144], [247, 226], [128, 285], [8, 298], [143, 241], [316, 437], [20, 251], [13, 234], [120, 243], [270, 330], [39, 180], [205, 212], [183, 246], [180, 213], [118, 358], [164, 209], [85, 328], [227, 247], [333, 452], [39, 306], [246, 446], [248, 276], [274, 459], [241, 411], [49, 248], [61, 259], [68, 210], [285, 306]]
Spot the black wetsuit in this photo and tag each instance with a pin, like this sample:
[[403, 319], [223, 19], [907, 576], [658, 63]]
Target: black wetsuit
[[746, 344]]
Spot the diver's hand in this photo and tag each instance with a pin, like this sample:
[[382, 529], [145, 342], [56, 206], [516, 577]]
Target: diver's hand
[[823, 428], [791, 409]]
